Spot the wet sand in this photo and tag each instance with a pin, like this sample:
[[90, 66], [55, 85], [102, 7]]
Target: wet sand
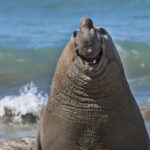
[[18, 144]]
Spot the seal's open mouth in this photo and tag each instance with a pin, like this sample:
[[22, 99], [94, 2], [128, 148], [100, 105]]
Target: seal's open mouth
[[92, 60]]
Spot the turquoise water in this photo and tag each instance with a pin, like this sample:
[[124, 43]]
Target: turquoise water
[[34, 32]]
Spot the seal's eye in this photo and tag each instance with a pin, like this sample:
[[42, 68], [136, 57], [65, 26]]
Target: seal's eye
[[102, 31], [74, 33]]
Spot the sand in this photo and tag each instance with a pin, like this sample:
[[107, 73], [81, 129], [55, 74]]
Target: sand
[[26, 143]]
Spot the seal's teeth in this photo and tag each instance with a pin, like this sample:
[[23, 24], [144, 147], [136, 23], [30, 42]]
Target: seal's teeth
[[86, 63], [94, 61]]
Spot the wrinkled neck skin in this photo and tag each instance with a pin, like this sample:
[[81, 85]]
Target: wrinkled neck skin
[[89, 88]]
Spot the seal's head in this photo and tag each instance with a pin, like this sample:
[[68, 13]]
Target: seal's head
[[93, 46], [87, 43]]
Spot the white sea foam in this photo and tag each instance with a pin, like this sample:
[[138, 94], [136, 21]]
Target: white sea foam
[[119, 48], [142, 65], [123, 52], [29, 102], [135, 52], [20, 60]]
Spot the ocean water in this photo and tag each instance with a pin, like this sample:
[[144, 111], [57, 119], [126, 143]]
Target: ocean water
[[34, 32]]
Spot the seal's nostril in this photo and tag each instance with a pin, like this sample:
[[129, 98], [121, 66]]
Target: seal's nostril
[[74, 33], [102, 31]]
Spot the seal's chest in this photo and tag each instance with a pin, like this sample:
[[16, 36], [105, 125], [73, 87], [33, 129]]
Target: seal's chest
[[89, 135]]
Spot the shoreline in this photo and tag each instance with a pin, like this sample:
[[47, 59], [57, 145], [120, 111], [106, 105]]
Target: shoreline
[[24, 143], [16, 130]]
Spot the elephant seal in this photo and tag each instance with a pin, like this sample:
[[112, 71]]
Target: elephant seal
[[91, 106]]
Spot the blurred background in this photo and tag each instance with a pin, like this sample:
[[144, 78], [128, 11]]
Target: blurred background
[[34, 32]]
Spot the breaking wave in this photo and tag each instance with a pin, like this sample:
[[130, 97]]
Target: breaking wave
[[25, 107]]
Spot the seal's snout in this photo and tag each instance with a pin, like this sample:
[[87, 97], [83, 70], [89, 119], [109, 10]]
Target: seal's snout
[[87, 43], [86, 22]]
